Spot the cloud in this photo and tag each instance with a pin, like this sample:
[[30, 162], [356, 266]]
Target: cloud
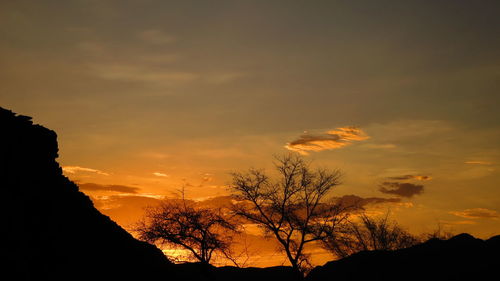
[[462, 222], [478, 162], [158, 174], [380, 146], [89, 47], [140, 73], [401, 189], [155, 155], [146, 65], [125, 210], [411, 177], [225, 201], [152, 58], [76, 169], [223, 77], [477, 213], [217, 202], [113, 187], [147, 71], [357, 201], [333, 139], [207, 177], [155, 36]]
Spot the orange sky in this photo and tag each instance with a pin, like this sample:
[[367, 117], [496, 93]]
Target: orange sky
[[149, 96]]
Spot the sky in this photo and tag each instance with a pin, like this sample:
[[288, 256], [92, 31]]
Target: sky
[[149, 96]]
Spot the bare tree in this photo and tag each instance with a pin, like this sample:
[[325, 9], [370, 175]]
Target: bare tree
[[367, 235], [291, 208], [201, 231]]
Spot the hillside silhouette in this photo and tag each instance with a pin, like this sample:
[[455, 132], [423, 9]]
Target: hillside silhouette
[[461, 257], [51, 230]]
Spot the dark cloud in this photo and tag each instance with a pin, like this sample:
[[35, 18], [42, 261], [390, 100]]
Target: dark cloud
[[357, 201], [217, 202], [345, 201], [401, 189], [411, 177], [330, 140], [113, 187], [124, 209]]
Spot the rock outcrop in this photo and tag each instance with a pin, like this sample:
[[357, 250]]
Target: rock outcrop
[[50, 230]]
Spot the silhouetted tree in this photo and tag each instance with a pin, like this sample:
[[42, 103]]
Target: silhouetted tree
[[368, 234], [201, 231], [291, 208]]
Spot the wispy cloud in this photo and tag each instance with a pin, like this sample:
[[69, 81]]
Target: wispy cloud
[[146, 72], [477, 162], [379, 146], [132, 205], [155, 155], [140, 73], [103, 52], [158, 174], [207, 177], [411, 177], [461, 222], [156, 36], [477, 213], [401, 189], [143, 63], [76, 169], [223, 77], [333, 139], [113, 187]]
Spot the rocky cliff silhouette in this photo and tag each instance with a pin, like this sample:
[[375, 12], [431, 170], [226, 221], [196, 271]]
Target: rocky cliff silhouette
[[50, 230], [462, 257]]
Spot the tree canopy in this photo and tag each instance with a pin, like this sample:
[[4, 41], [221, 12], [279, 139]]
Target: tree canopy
[[200, 231], [293, 207]]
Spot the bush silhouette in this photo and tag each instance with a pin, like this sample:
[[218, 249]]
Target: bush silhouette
[[368, 234]]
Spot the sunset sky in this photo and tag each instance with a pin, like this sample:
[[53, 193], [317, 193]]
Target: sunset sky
[[148, 96]]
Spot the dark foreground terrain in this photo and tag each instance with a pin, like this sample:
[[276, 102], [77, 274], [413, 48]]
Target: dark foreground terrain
[[51, 231], [462, 257]]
